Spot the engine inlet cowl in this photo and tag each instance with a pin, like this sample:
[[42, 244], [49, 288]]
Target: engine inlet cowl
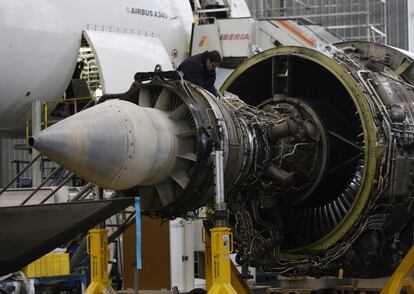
[[362, 95]]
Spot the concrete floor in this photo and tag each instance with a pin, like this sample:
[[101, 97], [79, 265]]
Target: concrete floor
[[143, 292], [309, 283]]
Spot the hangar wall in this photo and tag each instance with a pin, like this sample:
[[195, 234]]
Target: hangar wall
[[369, 20]]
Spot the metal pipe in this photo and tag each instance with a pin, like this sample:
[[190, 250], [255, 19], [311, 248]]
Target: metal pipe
[[27, 133], [122, 228], [58, 188], [46, 114], [219, 178], [288, 127], [213, 10], [41, 185], [98, 195], [90, 102], [91, 98], [82, 192], [20, 173], [78, 254], [36, 128], [281, 177]]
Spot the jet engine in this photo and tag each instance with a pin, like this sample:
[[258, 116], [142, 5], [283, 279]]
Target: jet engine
[[317, 147]]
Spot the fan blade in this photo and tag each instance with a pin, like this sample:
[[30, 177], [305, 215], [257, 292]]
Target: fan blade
[[145, 98], [179, 113], [163, 99], [165, 191], [189, 156], [186, 134], [181, 178]]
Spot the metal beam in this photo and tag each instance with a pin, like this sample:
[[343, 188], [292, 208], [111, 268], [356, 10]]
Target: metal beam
[[36, 128], [410, 25]]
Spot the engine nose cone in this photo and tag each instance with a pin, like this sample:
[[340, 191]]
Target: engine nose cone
[[116, 144]]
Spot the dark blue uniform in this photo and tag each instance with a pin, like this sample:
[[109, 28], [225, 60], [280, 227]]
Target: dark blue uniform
[[195, 71]]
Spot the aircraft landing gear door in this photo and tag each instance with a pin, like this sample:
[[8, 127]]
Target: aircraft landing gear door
[[119, 56]]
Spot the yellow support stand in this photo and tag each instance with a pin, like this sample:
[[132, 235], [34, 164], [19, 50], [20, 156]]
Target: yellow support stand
[[402, 277], [238, 283], [221, 247], [97, 243]]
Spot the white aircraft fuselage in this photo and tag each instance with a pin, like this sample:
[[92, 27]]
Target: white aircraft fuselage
[[41, 40]]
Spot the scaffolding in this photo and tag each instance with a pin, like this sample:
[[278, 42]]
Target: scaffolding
[[351, 19]]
